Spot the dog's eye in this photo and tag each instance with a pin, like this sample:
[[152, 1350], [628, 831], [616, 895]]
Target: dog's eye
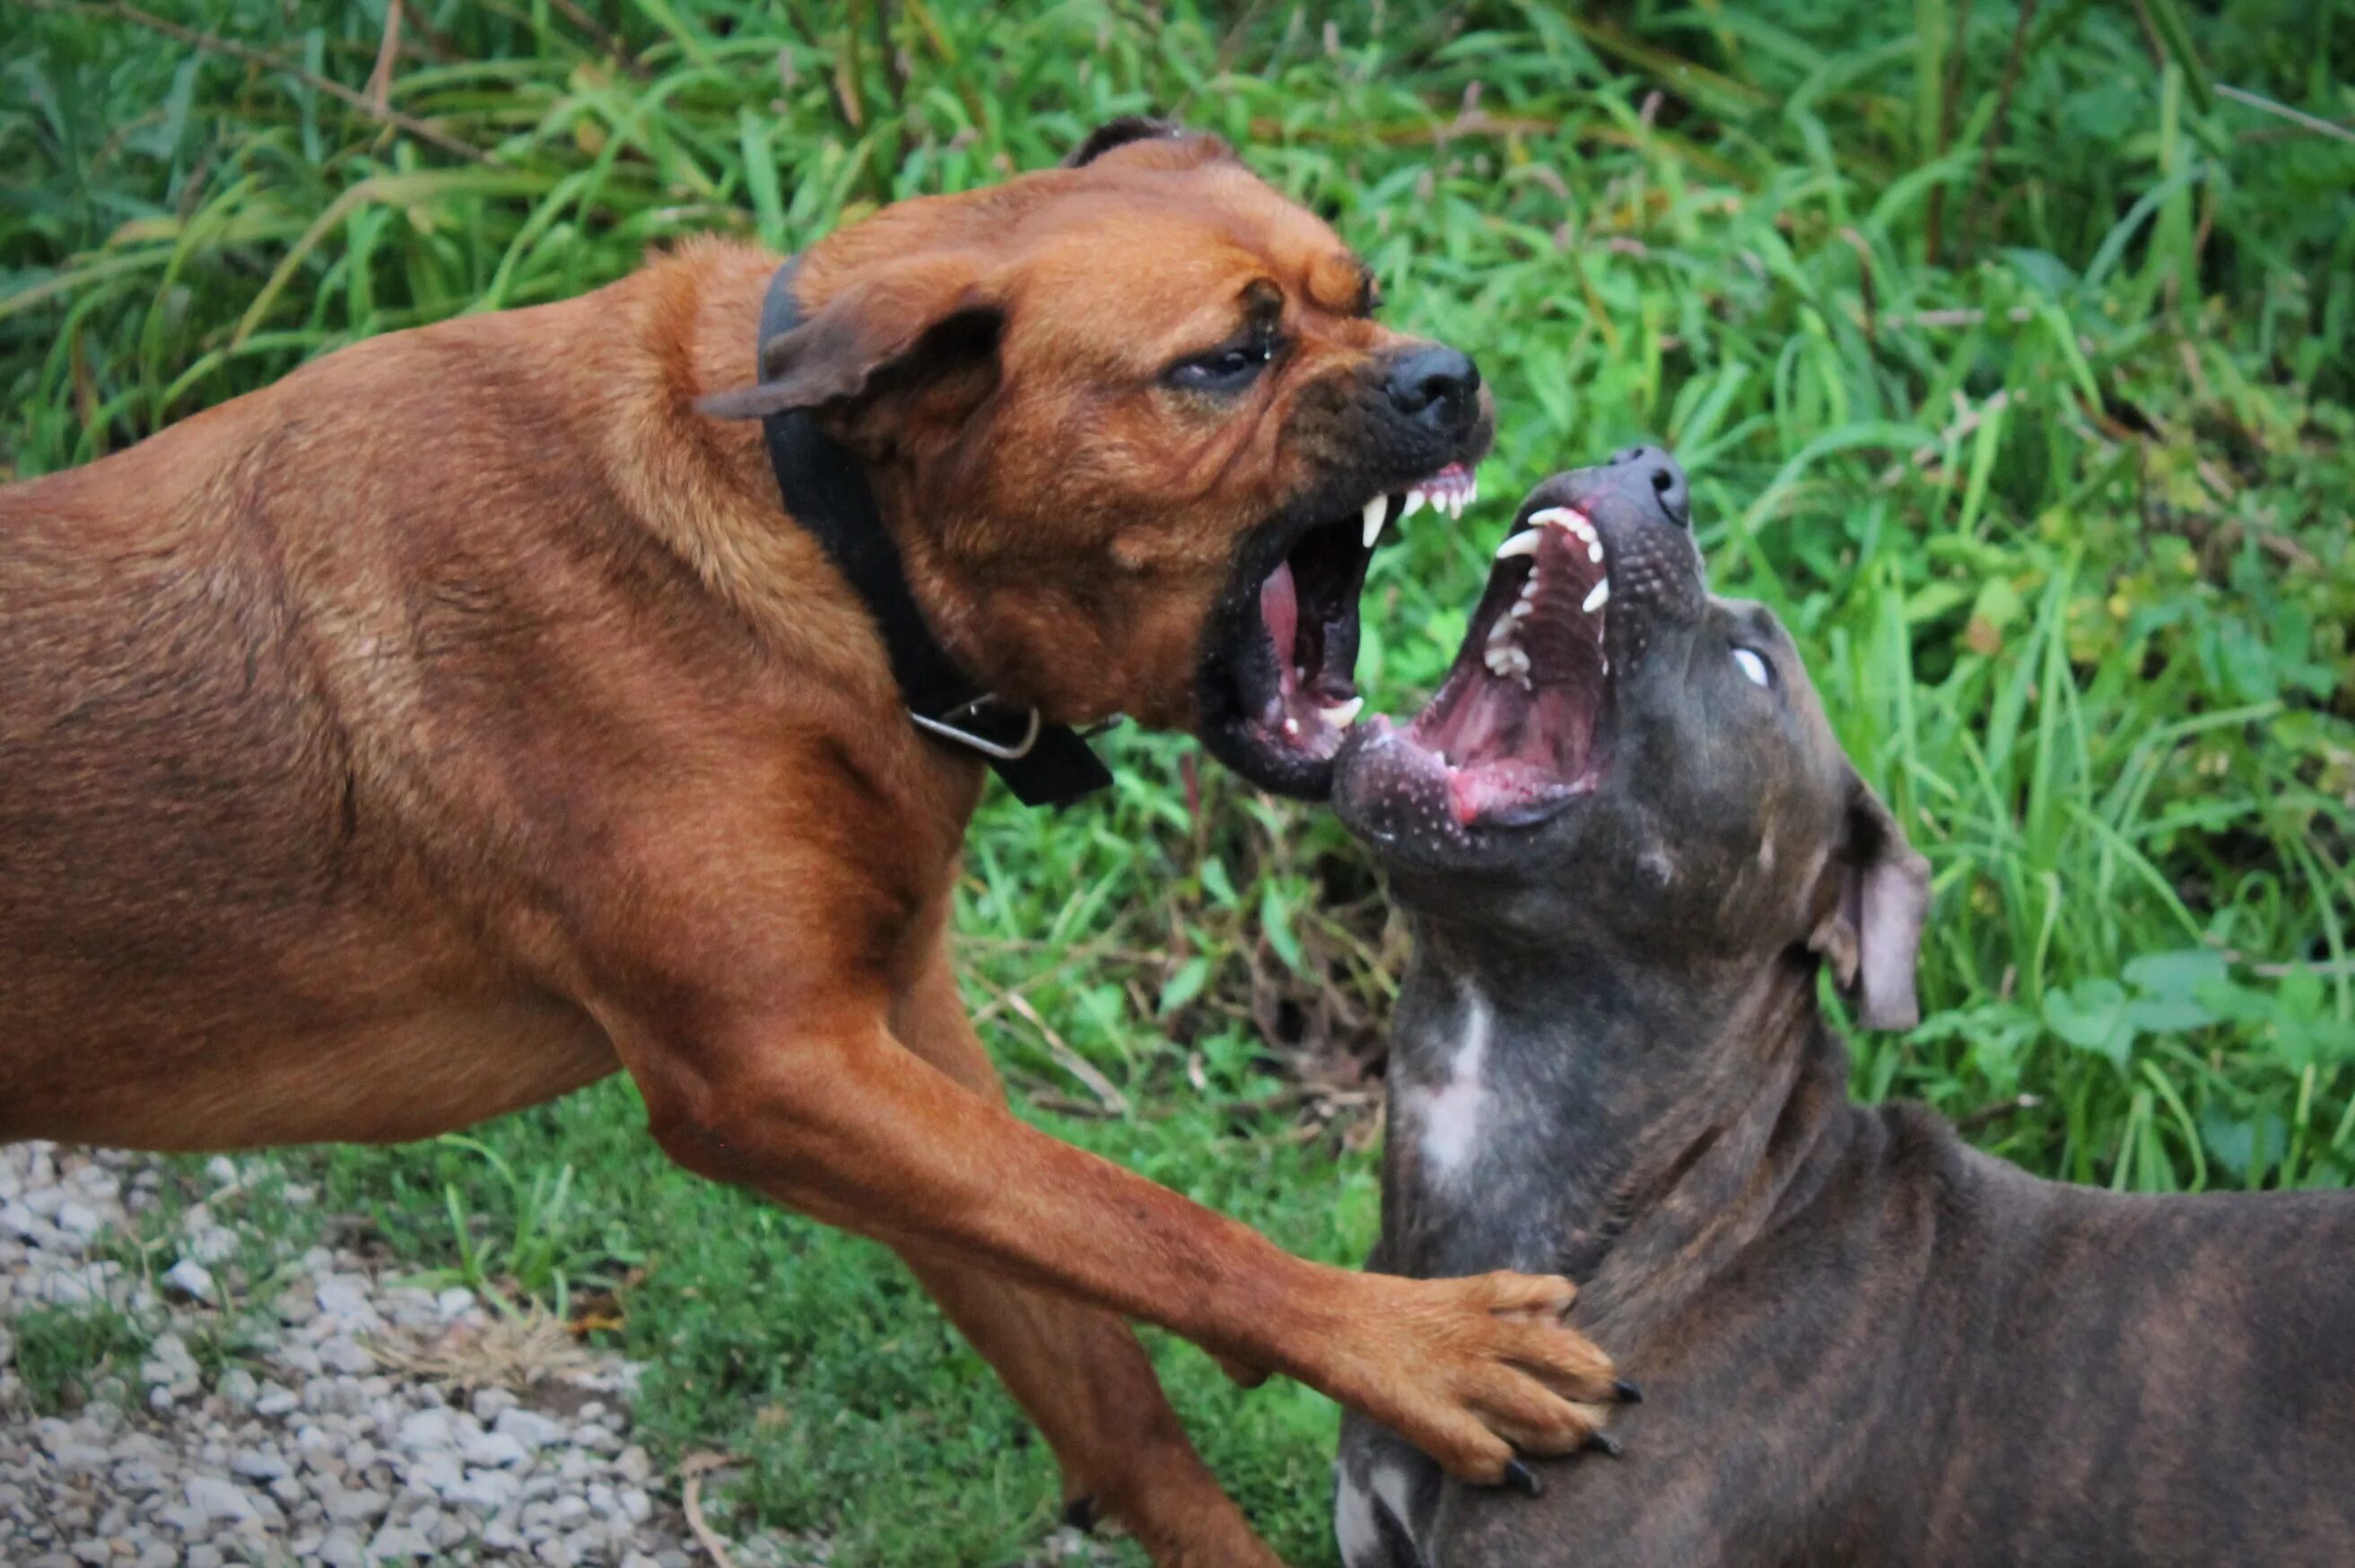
[[1755, 667], [1228, 370]]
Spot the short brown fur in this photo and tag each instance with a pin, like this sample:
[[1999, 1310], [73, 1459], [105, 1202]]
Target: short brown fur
[[458, 720]]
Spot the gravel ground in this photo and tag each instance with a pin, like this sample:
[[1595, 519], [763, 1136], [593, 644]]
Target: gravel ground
[[296, 1407]]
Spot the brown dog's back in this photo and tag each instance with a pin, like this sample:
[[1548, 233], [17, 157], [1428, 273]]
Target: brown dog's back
[[295, 713]]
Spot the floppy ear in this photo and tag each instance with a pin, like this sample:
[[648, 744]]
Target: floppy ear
[[1872, 933], [1157, 144], [1119, 133], [919, 317]]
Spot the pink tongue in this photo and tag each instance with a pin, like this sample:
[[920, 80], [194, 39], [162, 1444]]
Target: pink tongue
[[1279, 607]]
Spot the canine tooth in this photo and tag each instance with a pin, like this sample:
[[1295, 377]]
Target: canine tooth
[[1377, 511], [1594, 552], [1599, 597], [1522, 543], [1338, 714], [1472, 490], [1414, 503]]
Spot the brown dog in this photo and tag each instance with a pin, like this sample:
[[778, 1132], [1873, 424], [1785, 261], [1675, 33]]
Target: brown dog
[[462, 719]]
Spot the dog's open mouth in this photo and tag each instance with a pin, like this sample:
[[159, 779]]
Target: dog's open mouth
[[1521, 726], [1295, 691]]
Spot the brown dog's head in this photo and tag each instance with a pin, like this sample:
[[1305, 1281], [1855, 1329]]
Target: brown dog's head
[[1137, 432], [1619, 761]]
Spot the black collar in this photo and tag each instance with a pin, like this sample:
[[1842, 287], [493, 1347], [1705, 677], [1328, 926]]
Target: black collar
[[824, 492]]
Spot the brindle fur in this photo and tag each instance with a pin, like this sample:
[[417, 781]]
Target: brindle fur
[[1859, 1340]]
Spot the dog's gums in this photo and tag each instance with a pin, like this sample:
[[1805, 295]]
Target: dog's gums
[[1518, 725], [1301, 693], [1519, 728]]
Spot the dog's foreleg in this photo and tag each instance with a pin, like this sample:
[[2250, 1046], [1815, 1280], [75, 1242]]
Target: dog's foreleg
[[1077, 1370]]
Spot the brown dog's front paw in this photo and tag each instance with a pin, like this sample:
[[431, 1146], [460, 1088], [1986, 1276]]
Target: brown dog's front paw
[[1475, 1372]]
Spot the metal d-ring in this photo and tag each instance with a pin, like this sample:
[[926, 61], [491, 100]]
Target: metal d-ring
[[988, 748]]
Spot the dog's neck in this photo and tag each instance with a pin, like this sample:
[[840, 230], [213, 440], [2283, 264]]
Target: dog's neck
[[1553, 1110]]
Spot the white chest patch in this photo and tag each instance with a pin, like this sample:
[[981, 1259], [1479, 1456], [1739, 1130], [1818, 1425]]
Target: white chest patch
[[1356, 1522], [1451, 1114], [1359, 1538]]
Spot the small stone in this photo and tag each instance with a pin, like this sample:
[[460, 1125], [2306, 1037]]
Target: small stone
[[259, 1465], [485, 1491], [490, 1404], [495, 1450], [436, 1472], [342, 1353], [80, 1219], [217, 1498], [341, 1547], [341, 1296], [530, 1428], [192, 1280], [425, 1429], [399, 1540], [358, 1506]]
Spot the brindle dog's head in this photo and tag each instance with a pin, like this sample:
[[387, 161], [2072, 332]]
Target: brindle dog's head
[[1137, 431], [1621, 759]]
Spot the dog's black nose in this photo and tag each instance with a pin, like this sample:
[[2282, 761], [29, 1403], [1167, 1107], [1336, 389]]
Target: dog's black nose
[[1436, 385], [1651, 467]]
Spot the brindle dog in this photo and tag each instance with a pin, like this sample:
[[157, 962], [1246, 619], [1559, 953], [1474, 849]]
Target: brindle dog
[[1629, 841]]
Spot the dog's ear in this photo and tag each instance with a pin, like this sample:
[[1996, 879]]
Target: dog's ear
[[924, 315], [1872, 933], [1158, 144], [1119, 133]]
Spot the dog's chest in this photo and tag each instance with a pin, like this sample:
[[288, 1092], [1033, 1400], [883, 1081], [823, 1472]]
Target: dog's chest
[[1468, 1189]]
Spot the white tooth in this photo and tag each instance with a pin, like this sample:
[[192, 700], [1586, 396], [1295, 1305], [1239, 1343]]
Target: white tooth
[[1472, 490], [1594, 552], [1556, 517], [1377, 511], [1522, 609], [1339, 714], [1599, 598], [1500, 661], [1522, 543], [1456, 506], [1414, 502], [1292, 728]]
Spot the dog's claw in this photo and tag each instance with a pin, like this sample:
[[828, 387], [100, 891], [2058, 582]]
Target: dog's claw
[[1603, 1443], [1080, 1513], [1628, 1393], [1522, 1479]]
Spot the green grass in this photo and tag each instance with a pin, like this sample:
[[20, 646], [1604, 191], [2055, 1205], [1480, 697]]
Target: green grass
[[2011, 365]]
